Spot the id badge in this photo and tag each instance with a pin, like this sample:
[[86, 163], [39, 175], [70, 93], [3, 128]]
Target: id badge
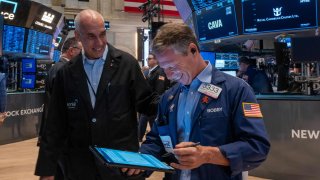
[[167, 143], [210, 90]]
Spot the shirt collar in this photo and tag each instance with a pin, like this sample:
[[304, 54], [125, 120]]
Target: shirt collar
[[203, 77], [206, 74]]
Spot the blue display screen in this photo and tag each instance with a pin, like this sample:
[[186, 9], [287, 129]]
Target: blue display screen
[[227, 61], [131, 158], [38, 42], [28, 65], [13, 38], [56, 55], [208, 56], [28, 81], [217, 21], [278, 15]]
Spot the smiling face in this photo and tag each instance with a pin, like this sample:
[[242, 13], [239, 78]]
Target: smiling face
[[92, 34], [178, 67]]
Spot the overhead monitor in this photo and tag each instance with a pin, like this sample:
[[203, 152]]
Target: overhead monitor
[[38, 43], [278, 15], [217, 21], [200, 4], [208, 56], [13, 39], [28, 65], [70, 24], [28, 81], [227, 61]]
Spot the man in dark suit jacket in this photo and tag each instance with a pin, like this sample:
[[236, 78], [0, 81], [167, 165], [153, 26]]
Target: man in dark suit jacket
[[159, 83], [94, 104]]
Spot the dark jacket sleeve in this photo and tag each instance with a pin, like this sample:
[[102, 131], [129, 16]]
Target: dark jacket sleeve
[[54, 135], [146, 101], [158, 81]]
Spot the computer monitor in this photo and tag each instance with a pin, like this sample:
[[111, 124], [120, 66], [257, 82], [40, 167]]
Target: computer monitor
[[38, 43], [28, 65], [227, 61], [28, 81], [13, 39]]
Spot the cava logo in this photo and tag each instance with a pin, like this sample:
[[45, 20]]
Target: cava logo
[[277, 11], [10, 5], [47, 17], [215, 24]]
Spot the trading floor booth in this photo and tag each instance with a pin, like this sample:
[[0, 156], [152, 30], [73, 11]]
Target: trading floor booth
[[30, 32]]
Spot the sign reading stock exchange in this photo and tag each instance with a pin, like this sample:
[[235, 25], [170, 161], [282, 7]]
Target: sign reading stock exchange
[[217, 21], [278, 15]]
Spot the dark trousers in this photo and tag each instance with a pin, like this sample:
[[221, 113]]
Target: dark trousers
[[143, 120]]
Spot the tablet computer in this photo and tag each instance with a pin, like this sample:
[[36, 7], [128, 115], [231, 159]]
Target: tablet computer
[[127, 159]]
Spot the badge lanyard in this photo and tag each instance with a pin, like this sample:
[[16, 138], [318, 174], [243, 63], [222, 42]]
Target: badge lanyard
[[94, 92]]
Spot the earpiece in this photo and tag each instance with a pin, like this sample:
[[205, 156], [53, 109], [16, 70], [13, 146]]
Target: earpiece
[[193, 50]]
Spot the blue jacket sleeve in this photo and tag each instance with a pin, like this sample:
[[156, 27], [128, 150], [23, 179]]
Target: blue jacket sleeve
[[251, 146]]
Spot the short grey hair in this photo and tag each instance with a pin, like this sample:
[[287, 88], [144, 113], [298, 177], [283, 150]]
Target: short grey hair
[[177, 36]]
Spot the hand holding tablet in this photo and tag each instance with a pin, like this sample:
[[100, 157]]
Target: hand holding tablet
[[131, 160]]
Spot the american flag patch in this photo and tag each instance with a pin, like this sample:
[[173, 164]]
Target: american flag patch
[[251, 110]]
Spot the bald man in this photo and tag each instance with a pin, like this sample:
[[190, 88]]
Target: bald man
[[94, 102]]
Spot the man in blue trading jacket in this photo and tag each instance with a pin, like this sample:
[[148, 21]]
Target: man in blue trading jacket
[[206, 106]]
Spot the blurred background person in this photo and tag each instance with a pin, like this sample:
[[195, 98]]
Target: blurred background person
[[256, 78], [159, 83]]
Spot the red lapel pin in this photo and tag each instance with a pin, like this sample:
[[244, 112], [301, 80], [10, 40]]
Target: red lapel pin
[[205, 100]]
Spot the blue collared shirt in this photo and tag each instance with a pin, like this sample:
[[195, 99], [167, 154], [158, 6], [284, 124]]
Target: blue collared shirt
[[188, 100], [93, 69]]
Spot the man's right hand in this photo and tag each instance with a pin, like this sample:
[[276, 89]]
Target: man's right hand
[[47, 178]]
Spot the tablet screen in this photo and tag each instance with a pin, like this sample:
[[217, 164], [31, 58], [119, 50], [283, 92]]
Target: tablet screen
[[119, 157]]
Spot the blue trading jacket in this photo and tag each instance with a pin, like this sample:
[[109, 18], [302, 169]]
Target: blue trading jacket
[[216, 122]]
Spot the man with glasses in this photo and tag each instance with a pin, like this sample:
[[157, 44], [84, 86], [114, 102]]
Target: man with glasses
[[94, 102]]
